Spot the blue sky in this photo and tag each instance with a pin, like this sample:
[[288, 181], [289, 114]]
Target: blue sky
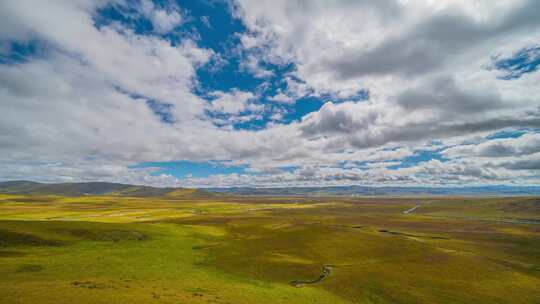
[[270, 93], [214, 27], [183, 169]]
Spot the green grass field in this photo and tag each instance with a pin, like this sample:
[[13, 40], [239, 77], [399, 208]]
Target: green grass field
[[115, 249]]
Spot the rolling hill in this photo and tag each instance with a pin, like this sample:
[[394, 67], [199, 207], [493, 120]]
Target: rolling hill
[[96, 188], [105, 188]]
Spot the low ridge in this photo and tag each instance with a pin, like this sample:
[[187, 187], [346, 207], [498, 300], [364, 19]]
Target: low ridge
[[96, 188]]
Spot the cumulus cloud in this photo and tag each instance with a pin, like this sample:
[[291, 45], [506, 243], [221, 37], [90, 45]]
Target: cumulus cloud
[[280, 97], [522, 146], [163, 20], [79, 108], [334, 51], [233, 102]]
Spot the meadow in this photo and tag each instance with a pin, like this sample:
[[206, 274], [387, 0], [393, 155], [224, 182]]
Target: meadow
[[227, 249]]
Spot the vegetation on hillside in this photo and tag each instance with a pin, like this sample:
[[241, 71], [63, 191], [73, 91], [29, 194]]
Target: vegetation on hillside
[[120, 249]]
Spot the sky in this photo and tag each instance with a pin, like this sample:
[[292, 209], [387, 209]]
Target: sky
[[268, 93]]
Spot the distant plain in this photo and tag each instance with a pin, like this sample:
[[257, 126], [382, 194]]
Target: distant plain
[[188, 247]]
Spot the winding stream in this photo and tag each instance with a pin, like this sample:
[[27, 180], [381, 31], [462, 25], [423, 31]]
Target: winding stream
[[325, 272]]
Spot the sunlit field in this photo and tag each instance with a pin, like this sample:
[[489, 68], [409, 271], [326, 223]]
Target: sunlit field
[[188, 249]]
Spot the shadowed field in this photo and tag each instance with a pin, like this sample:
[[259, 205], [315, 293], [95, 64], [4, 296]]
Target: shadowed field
[[114, 249]]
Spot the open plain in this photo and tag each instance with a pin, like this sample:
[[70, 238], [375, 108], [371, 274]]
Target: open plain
[[226, 249]]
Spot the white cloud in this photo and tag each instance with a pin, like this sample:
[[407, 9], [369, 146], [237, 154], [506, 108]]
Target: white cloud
[[78, 111], [503, 147], [233, 102], [251, 64], [282, 98], [346, 46], [206, 21], [163, 20]]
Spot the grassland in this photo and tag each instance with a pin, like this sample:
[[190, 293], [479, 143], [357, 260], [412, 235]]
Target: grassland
[[117, 249]]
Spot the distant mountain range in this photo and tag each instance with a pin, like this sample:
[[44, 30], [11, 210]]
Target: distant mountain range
[[97, 188], [382, 191], [104, 188]]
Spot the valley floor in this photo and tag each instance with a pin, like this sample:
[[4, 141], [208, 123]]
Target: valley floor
[[114, 249]]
